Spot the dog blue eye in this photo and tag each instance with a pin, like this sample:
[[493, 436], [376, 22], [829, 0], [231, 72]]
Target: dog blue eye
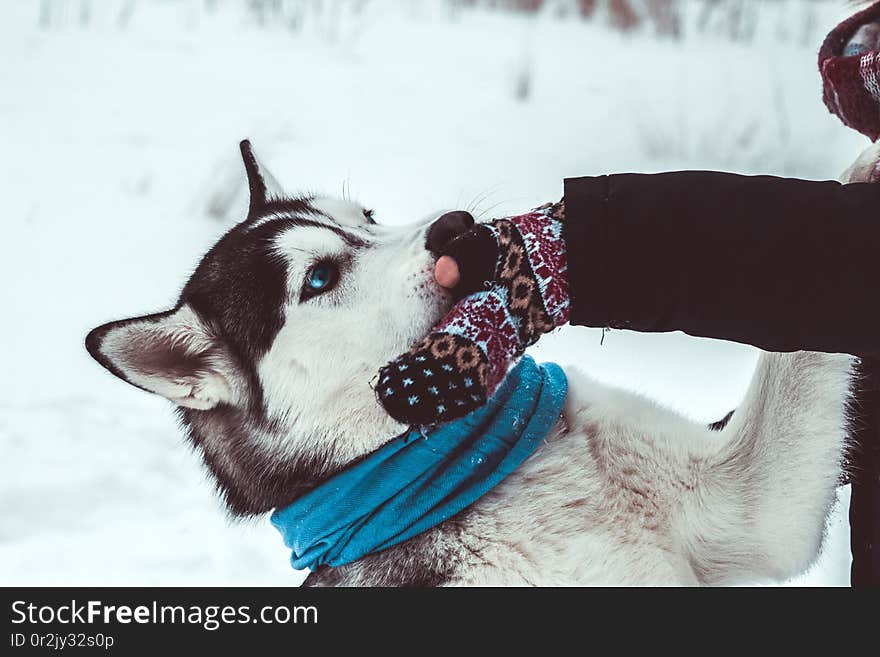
[[320, 277]]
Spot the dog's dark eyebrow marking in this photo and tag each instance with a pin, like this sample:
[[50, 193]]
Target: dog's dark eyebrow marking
[[350, 239], [291, 211]]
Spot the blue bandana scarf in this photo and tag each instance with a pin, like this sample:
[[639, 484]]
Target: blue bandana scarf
[[417, 481]]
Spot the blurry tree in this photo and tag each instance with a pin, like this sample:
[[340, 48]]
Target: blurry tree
[[622, 15], [735, 18], [587, 8], [731, 19], [125, 14], [45, 19], [85, 12], [796, 20], [666, 17], [265, 11]]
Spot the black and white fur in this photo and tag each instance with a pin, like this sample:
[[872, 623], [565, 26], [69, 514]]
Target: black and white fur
[[274, 389]]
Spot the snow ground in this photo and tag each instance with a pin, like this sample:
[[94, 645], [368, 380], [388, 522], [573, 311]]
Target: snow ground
[[116, 142]]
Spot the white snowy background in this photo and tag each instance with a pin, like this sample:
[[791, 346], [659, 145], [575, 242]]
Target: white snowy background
[[119, 125]]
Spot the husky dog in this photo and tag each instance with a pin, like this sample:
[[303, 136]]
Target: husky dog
[[272, 377]]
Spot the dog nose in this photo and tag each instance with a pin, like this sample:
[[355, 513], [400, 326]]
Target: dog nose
[[447, 228]]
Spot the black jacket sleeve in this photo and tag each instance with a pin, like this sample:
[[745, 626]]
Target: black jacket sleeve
[[778, 263]]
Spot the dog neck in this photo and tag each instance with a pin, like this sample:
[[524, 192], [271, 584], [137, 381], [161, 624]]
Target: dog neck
[[417, 481]]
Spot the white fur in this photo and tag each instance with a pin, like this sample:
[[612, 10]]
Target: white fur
[[626, 492], [634, 494], [623, 492]]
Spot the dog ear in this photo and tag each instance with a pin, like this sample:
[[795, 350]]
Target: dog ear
[[262, 184], [171, 354]]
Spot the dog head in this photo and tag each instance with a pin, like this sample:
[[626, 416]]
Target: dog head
[[270, 351]]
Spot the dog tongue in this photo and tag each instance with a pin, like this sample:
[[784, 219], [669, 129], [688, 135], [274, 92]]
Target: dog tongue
[[446, 272]]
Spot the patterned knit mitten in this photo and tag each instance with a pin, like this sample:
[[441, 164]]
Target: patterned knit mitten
[[524, 295], [849, 61]]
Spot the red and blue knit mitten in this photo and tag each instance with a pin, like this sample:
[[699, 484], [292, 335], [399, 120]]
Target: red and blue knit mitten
[[521, 268], [849, 61]]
